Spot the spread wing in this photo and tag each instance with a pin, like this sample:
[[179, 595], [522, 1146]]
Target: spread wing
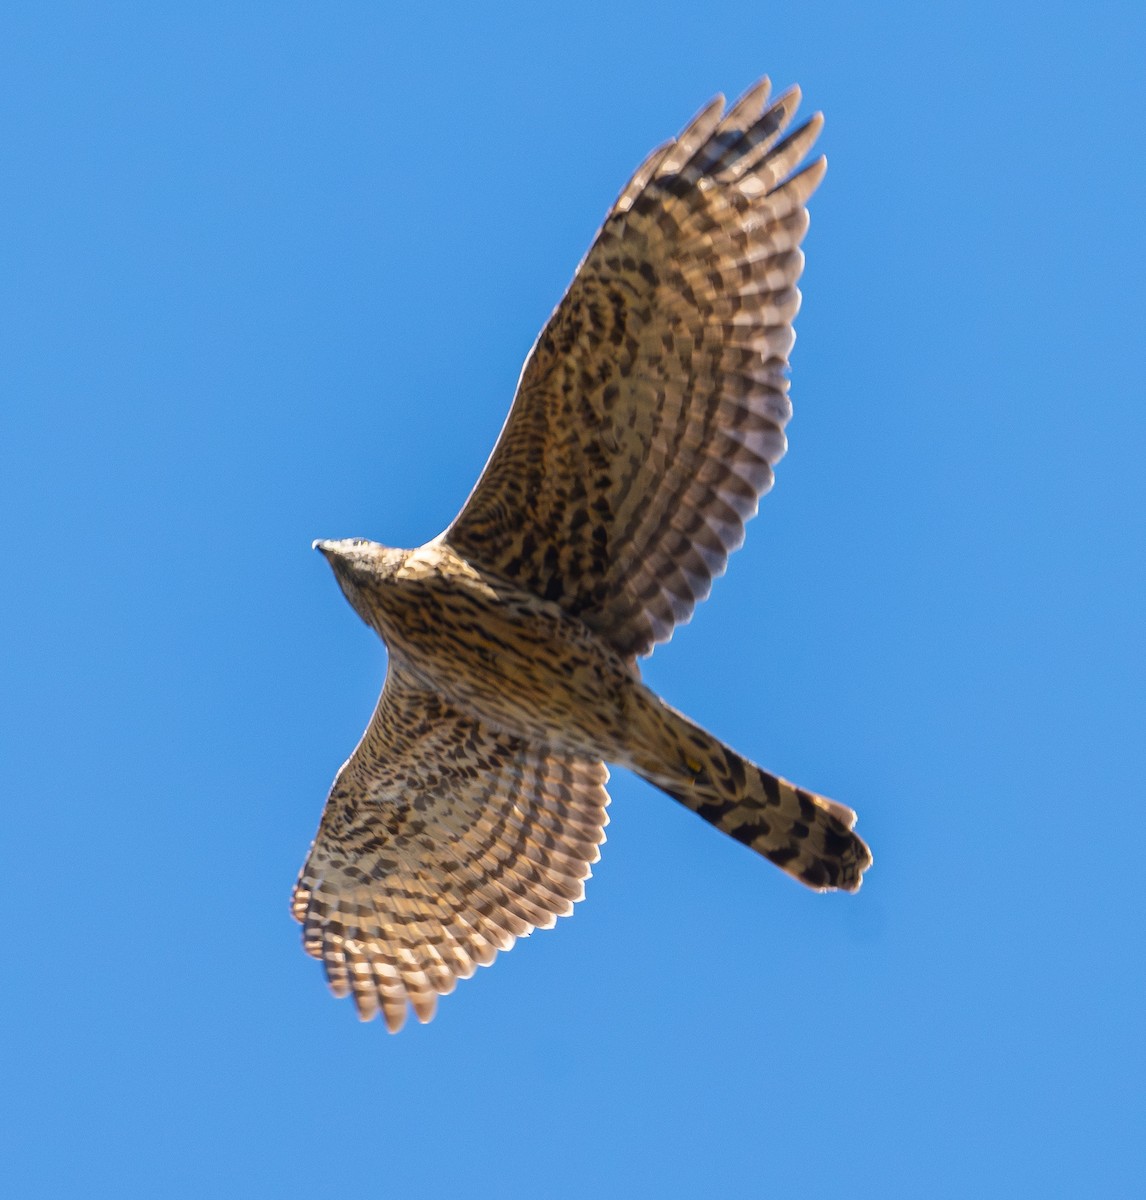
[[651, 410], [441, 843]]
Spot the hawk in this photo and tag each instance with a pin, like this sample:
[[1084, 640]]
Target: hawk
[[647, 420]]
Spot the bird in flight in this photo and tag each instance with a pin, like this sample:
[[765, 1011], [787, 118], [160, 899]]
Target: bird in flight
[[647, 420]]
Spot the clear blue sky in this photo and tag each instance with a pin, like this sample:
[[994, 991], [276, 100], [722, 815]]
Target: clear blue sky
[[268, 273]]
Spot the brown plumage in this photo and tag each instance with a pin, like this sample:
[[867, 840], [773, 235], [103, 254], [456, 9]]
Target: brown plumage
[[647, 421]]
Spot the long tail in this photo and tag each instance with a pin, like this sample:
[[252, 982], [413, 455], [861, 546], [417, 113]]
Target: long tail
[[804, 834]]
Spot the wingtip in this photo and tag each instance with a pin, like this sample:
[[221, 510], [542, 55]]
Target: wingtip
[[811, 176], [710, 114], [393, 1017], [791, 99]]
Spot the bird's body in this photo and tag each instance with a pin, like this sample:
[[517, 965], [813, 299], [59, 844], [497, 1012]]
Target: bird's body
[[648, 419], [492, 648]]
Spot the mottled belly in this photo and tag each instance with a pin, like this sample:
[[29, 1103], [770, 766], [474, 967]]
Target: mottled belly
[[519, 663]]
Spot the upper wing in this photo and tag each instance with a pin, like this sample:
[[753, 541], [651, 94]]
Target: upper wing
[[651, 410], [441, 843]]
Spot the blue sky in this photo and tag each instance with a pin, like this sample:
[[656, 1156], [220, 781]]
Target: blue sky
[[268, 273]]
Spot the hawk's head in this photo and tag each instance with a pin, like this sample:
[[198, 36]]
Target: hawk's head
[[359, 565]]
